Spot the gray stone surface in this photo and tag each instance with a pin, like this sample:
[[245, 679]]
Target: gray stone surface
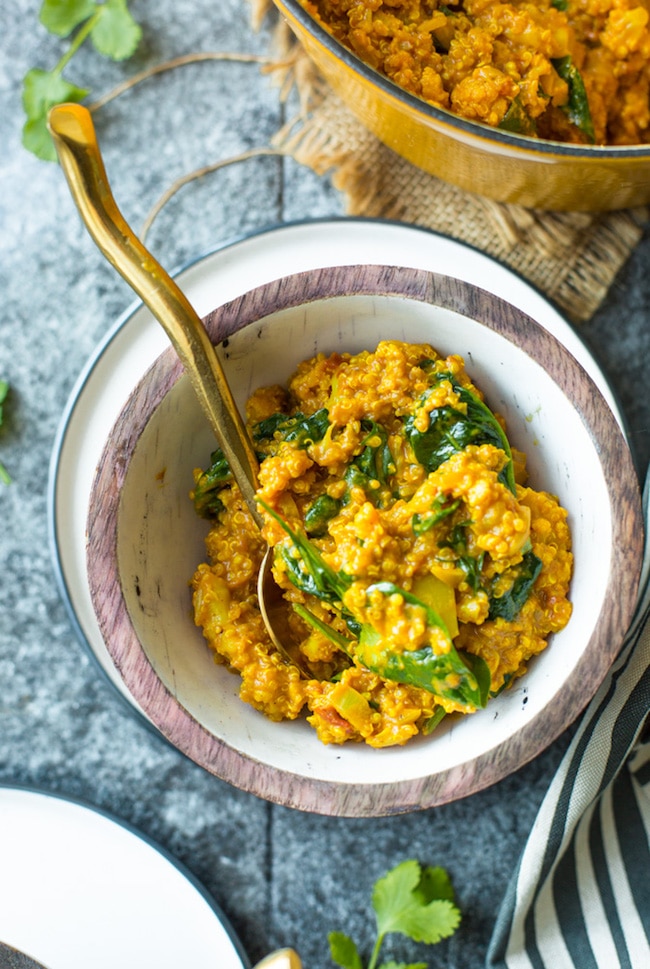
[[282, 877]]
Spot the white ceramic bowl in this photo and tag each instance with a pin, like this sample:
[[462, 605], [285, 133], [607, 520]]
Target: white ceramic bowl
[[144, 539]]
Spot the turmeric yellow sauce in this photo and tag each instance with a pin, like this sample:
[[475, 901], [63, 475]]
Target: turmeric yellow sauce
[[421, 573], [566, 70]]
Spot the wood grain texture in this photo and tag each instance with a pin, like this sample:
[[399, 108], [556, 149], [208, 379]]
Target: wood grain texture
[[182, 728]]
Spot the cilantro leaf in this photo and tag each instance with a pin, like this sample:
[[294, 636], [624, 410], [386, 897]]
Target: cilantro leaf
[[409, 900], [115, 33], [61, 17], [434, 883], [344, 951], [407, 903], [37, 139], [41, 91]]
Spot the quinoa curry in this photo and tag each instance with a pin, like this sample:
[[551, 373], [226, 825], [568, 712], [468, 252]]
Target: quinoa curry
[[422, 574], [566, 70]]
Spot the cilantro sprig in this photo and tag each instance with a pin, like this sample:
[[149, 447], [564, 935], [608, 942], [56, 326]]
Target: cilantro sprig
[[113, 32], [411, 901]]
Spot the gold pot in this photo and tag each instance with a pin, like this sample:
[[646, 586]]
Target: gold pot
[[498, 164]]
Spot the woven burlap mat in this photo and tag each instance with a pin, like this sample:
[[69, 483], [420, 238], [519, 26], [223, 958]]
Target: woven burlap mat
[[571, 257]]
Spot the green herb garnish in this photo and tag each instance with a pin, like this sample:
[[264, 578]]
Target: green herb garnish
[[409, 900], [113, 33]]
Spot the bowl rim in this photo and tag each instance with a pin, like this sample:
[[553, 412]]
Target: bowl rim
[[475, 129], [342, 798]]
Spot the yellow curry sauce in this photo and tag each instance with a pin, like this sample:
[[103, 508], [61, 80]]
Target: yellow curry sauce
[[423, 574], [566, 70]]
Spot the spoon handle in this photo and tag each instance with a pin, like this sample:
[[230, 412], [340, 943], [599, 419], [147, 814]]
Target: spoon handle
[[75, 140]]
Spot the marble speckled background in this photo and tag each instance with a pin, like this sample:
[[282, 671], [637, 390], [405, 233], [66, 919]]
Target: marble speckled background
[[282, 877]]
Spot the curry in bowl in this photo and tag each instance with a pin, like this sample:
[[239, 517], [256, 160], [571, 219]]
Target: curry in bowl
[[146, 542], [421, 572]]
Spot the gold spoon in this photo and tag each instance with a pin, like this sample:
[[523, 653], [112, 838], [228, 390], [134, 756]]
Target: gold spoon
[[76, 144], [282, 959]]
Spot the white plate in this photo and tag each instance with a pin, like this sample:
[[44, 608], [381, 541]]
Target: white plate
[[136, 340], [79, 889]]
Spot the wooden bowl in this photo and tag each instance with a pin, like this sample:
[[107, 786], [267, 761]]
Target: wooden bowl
[[497, 164], [144, 540]]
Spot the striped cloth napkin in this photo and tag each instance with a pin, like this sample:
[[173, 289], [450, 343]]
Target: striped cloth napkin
[[580, 895]]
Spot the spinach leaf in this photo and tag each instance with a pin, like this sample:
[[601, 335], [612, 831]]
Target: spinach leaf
[[298, 428], [375, 460], [306, 567], [372, 467], [444, 674], [450, 431], [307, 571], [441, 509], [207, 502], [344, 644], [577, 109], [507, 680], [355, 478], [470, 564], [319, 513], [436, 717], [522, 575], [508, 605], [517, 120]]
